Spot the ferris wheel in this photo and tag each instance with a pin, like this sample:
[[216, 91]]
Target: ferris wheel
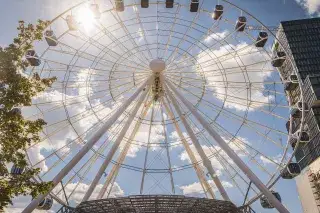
[[162, 97]]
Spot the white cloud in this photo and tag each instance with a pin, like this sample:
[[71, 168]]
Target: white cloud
[[237, 146], [312, 6], [238, 90], [216, 36], [82, 188], [19, 203], [271, 160], [195, 189]]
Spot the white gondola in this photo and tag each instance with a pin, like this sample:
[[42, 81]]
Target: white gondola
[[304, 136], [295, 113], [289, 86], [265, 202], [293, 78], [217, 13], [144, 3], [95, 10], [16, 170], [279, 59], [241, 24], [72, 23], [169, 3], [299, 105], [33, 58], [119, 5], [262, 39], [291, 171], [51, 38], [45, 204], [194, 6]]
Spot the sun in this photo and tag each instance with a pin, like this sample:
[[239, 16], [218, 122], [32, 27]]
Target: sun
[[86, 18]]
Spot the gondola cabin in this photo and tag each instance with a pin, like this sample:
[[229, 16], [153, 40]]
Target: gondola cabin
[[241, 24], [295, 113], [218, 11], [144, 3], [293, 78], [169, 3], [45, 204], [291, 171], [304, 136], [51, 38], [15, 170], [194, 6], [33, 58], [262, 39], [265, 202], [299, 105], [72, 23], [119, 5], [289, 86], [278, 59], [95, 11], [16, 111], [293, 142]]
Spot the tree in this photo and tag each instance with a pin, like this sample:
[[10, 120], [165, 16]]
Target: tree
[[16, 132]]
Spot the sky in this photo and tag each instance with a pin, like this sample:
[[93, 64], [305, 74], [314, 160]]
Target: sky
[[270, 12]]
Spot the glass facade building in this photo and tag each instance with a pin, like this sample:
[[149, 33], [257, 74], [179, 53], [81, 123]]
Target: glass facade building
[[301, 41]]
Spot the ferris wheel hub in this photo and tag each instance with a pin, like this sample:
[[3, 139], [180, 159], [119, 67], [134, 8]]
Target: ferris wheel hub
[[157, 65]]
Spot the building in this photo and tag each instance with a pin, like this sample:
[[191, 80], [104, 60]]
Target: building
[[301, 41]]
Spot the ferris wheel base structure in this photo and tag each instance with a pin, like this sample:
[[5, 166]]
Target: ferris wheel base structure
[[155, 203]]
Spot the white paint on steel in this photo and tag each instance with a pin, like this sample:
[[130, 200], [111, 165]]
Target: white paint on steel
[[114, 147], [194, 139], [225, 147], [86, 147]]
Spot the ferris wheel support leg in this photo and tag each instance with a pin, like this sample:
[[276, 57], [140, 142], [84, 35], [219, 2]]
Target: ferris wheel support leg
[[225, 147], [114, 147], [56, 180], [195, 141]]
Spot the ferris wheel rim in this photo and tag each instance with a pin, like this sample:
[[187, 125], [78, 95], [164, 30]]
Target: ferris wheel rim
[[272, 183]]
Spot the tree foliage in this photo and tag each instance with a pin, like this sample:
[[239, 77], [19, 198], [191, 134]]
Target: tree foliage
[[17, 132]]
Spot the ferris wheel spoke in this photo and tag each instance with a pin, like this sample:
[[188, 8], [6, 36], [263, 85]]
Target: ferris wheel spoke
[[124, 152], [252, 102], [68, 147], [209, 32], [205, 185], [114, 147], [125, 29], [147, 151], [229, 55], [246, 153], [174, 52], [94, 58], [167, 148], [237, 160], [143, 32], [199, 149], [244, 123], [171, 30], [118, 42]]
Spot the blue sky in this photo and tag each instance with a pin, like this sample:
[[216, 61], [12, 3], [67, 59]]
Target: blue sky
[[270, 12]]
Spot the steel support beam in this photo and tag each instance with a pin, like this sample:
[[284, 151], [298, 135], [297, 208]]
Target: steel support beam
[[56, 180], [225, 147], [195, 141], [115, 146], [203, 181], [121, 158]]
